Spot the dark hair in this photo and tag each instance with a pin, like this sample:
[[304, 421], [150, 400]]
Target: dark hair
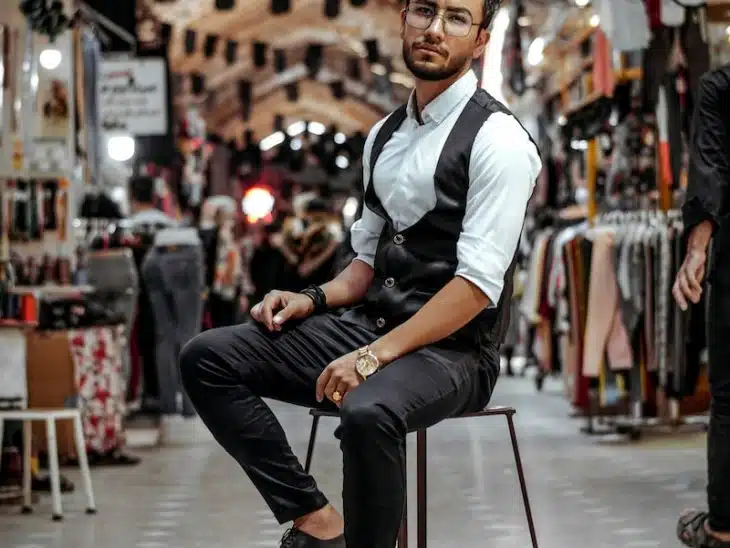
[[490, 10], [142, 189]]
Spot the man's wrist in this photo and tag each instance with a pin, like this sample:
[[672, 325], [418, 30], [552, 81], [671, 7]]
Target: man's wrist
[[700, 236], [319, 299]]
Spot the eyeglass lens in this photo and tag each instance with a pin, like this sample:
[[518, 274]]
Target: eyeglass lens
[[456, 22]]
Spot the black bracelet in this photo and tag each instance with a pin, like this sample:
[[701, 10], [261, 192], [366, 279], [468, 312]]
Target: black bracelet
[[318, 297]]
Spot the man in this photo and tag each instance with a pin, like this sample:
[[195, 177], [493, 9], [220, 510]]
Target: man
[[447, 179], [705, 219], [144, 222]]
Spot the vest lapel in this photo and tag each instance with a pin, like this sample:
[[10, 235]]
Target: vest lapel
[[391, 124]]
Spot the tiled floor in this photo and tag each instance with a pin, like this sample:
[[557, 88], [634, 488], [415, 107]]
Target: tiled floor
[[585, 492]]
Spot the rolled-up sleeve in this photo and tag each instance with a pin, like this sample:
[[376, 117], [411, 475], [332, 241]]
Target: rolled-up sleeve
[[365, 232], [503, 169], [709, 173]]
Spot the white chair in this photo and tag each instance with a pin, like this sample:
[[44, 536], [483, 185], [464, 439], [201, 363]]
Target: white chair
[[50, 416]]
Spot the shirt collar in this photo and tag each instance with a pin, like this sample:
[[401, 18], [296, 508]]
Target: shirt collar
[[440, 107]]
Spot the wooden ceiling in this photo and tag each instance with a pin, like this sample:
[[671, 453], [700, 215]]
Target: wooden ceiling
[[342, 38]]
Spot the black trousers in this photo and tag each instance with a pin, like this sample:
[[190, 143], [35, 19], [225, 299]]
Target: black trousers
[[718, 438], [228, 371]]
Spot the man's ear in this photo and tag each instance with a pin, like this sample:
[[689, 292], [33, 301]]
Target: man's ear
[[402, 23], [481, 42]]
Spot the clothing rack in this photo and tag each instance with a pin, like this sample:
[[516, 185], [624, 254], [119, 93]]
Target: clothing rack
[[623, 366]]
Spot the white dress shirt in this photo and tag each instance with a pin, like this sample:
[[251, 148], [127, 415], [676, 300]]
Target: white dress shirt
[[502, 173]]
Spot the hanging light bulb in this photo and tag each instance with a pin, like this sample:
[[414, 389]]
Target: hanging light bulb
[[50, 58]]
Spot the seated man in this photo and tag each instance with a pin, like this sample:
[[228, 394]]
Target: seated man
[[447, 179]]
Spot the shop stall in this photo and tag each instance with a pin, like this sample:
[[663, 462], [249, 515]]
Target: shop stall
[[63, 340], [617, 84]]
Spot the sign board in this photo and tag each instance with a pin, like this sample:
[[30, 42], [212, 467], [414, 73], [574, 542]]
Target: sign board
[[133, 97]]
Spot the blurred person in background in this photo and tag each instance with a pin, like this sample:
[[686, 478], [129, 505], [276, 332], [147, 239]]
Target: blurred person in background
[[226, 289], [706, 219]]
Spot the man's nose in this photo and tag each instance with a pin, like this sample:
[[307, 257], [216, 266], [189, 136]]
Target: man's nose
[[436, 28]]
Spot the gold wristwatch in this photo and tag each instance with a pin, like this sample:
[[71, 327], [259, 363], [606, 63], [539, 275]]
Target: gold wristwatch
[[366, 362]]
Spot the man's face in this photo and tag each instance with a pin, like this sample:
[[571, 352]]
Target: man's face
[[448, 43]]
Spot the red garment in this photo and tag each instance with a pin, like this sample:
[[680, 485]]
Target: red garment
[[654, 13]]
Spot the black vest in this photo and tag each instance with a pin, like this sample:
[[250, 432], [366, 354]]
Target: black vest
[[411, 266]]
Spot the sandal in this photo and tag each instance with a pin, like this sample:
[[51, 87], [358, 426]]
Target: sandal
[[692, 532]]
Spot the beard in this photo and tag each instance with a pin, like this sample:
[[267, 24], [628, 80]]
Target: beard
[[454, 66]]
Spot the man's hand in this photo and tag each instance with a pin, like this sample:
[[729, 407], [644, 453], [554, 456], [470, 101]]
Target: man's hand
[[688, 284], [340, 376], [280, 306]]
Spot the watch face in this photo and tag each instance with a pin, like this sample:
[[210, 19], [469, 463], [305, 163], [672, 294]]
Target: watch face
[[366, 365]]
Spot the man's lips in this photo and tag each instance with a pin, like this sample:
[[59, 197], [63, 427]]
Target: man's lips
[[430, 49]]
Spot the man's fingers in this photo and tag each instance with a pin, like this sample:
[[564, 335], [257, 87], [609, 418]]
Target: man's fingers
[[692, 291], [270, 304], [322, 382], [678, 295], [282, 316], [693, 280], [332, 384], [256, 312]]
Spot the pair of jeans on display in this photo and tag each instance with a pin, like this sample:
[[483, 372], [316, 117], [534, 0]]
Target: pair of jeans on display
[[173, 277]]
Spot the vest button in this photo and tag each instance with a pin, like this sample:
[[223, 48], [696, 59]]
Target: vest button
[[389, 282], [380, 322], [398, 239]]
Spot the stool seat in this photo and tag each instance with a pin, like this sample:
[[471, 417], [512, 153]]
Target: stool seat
[[50, 416], [421, 533], [486, 412]]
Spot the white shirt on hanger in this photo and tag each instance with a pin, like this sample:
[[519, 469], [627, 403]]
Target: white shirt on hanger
[[502, 173], [625, 23]]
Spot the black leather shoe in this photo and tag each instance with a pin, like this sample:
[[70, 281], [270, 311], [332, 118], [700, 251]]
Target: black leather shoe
[[294, 538]]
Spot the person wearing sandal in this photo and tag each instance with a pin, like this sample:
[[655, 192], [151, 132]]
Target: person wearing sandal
[[706, 218]]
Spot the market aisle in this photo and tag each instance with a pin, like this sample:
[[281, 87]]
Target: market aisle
[[584, 492]]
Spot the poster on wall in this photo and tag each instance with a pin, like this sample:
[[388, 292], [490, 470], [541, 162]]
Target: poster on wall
[[132, 96], [38, 122]]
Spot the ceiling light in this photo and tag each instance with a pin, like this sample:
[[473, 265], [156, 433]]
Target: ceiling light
[[50, 59], [297, 128], [582, 3], [595, 20], [342, 162], [340, 138], [316, 128], [378, 69], [275, 139], [121, 148]]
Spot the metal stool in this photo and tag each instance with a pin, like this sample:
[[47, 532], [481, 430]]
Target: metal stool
[[507, 412]]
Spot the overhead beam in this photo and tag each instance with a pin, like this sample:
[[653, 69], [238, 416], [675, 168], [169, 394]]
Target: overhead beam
[[298, 73]]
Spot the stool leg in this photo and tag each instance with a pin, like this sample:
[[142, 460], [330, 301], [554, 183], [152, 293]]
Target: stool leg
[[421, 489], [523, 484], [310, 447], [54, 471], [27, 468], [2, 427], [403, 532], [84, 464]]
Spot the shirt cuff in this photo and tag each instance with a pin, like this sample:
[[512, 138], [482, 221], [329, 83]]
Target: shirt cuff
[[366, 258], [694, 213], [491, 290]]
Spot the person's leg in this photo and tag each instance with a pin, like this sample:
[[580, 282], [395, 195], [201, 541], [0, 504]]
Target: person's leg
[[718, 438], [226, 373], [411, 393], [699, 529]]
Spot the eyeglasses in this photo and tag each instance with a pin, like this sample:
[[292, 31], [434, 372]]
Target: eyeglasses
[[457, 23]]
